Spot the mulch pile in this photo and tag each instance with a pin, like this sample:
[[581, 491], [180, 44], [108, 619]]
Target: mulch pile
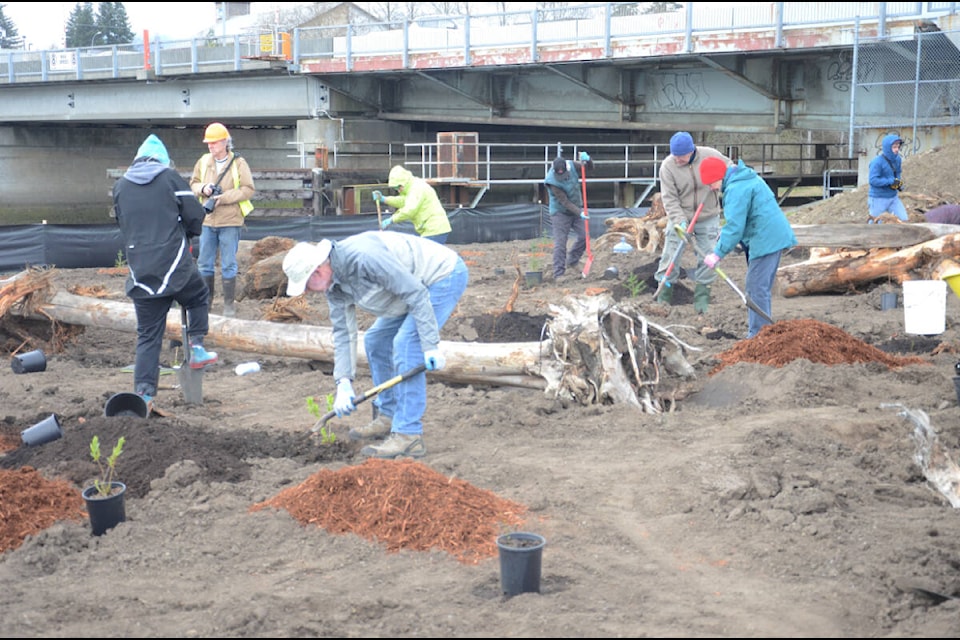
[[788, 340], [29, 503], [402, 504]]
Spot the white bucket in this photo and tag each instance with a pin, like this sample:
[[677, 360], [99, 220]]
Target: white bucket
[[924, 306]]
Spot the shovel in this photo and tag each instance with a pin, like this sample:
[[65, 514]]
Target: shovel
[[664, 282], [322, 422], [191, 380], [586, 220], [747, 301]]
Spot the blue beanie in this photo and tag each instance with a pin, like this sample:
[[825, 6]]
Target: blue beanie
[[152, 148], [682, 143]]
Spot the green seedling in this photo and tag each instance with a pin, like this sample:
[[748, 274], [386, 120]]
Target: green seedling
[[107, 468], [634, 284], [120, 262], [327, 436]]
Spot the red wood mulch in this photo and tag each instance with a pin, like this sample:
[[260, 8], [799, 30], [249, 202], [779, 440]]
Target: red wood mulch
[[402, 504], [29, 503]]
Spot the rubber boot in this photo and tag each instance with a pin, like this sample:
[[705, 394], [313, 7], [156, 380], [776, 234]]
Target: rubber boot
[[208, 280], [200, 357], [229, 291], [701, 298], [666, 295]]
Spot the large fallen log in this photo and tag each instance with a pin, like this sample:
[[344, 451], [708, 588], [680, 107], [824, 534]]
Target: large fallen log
[[598, 352], [844, 270], [522, 364], [869, 236]]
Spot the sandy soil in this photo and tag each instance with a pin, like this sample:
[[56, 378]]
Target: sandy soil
[[772, 502]]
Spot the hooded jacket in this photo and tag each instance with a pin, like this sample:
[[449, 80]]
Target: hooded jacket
[[387, 274], [157, 213], [417, 202], [752, 215], [682, 191], [885, 168]]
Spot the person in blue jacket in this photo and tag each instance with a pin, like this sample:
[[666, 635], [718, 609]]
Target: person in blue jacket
[[754, 218], [886, 180]]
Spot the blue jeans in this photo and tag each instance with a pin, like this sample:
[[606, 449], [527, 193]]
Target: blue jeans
[[761, 273], [227, 240], [393, 347], [879, 206], [705, 234], [440, 238]]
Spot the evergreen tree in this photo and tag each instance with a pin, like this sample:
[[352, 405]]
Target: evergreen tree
[[82, 27], [113, 23], [9, 38]]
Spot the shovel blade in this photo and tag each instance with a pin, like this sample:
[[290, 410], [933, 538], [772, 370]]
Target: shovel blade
[[191, 383]]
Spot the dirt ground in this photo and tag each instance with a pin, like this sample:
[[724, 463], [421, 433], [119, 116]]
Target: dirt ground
[[773, 501]]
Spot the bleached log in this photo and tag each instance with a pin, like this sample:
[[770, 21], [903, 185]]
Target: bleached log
[[845, 269], [870, 236], [522, 364]]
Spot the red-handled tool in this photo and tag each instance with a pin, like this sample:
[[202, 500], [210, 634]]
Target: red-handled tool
[[586, 220], [664, 282]]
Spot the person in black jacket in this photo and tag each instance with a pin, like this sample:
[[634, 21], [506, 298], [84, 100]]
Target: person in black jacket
[[158, 214]]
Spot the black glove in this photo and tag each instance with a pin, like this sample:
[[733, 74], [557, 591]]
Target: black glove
[[897, 184]]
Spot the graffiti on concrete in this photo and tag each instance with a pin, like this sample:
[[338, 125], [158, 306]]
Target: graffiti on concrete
[[840, 72], [682, 91], [910, 145]]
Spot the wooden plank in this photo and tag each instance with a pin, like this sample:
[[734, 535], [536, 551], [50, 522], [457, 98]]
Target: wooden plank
[[869, 236]]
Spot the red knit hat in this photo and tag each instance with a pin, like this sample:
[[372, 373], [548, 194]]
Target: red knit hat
[[712, 169]]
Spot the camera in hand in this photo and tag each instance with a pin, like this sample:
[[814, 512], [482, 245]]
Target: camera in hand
[[210, 203]]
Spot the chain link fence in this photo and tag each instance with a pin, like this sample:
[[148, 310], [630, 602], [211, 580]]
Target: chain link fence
[[904, 84]]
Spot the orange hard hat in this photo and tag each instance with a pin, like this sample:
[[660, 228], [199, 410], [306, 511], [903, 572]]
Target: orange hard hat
[[215, 132]]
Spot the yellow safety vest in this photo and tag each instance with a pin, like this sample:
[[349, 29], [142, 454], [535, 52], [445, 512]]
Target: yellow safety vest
[[245, 205]]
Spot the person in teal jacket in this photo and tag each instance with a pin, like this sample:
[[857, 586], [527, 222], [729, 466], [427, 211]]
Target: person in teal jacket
[[418, 203], [753, 218]]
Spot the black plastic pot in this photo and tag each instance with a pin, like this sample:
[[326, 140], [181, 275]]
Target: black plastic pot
[[521, 556], [105, 512]]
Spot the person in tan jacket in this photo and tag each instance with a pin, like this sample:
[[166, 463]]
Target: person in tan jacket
[[222, 181], [682, 193]]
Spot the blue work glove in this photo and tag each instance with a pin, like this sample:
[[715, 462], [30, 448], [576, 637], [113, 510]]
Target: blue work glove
[[386, 222], [711, 260], [584, 156], [343, 404], [583, 214], [433, 360], [377, 196]]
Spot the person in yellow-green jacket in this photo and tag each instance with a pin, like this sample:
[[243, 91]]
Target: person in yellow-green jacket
[[417, 202]]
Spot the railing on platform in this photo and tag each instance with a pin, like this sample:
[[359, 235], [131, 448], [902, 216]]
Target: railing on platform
[[588, 30]]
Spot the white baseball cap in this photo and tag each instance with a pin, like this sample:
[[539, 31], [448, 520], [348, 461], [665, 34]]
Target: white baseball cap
[[301, 261]]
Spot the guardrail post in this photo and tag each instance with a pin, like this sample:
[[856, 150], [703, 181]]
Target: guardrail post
[[778, 13], [607, 47], [405, 54], [466, 40], [236, 53], [534, 56], [349, 48], [688, 35], [194, 56]]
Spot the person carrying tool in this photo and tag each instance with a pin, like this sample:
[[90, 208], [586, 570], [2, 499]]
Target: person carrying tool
[[223, 182], [417, 202], [754, 218], [682, 194], [412, 285], [158, 214], [886, 183], [566, 211]]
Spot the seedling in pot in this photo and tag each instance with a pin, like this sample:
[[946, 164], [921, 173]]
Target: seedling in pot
[[327, 436], [104, 483]]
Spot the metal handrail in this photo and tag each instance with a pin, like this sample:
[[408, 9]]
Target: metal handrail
[[593, 30]]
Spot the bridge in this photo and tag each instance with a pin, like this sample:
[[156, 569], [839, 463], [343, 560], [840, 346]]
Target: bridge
[[754, 80]]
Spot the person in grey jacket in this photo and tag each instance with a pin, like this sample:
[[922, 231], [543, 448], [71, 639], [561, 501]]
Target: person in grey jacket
[[682, 194], [412, 285], [158, 214]]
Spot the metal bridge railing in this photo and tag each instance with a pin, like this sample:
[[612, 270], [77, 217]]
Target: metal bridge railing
[[592, 30]]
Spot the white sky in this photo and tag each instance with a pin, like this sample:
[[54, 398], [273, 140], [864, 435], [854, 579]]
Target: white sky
[[42, 25]]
